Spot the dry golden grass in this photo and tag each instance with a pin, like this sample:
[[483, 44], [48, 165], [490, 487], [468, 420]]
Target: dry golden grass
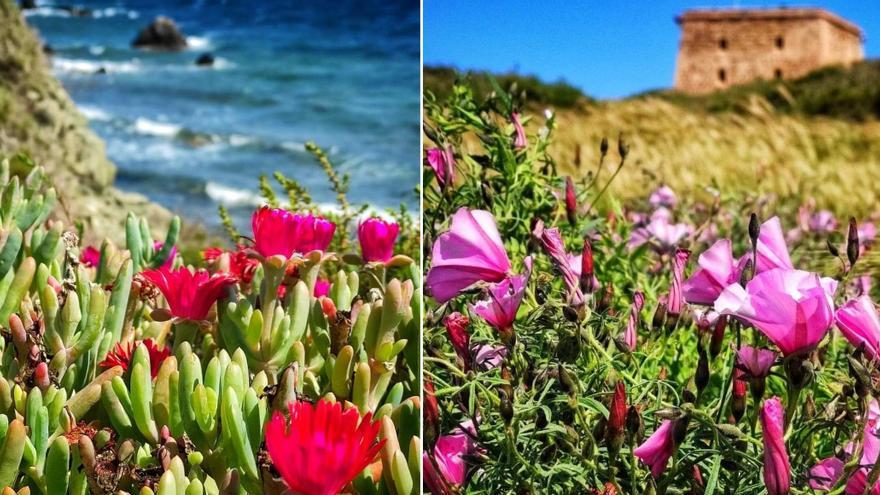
[[755, 151]]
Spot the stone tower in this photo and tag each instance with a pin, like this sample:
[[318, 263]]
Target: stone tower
[[721, 48]]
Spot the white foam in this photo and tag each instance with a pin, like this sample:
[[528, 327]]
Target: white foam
[[46, 12], [232, 197], [198, 42], [92, 66], [238, 140], [114, 11], [97, 49], [94, 113], [153, 128]]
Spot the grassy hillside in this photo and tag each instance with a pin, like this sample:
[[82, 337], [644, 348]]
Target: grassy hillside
[[37, 117], [739, 141]]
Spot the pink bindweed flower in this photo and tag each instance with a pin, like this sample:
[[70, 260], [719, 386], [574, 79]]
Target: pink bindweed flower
[[90, 256], [571, 205], [860, 324], [867, 233], [772, 250], [825, 474], [793, 308], [658, 448], [717, 270], [280, 232], [322, 448], [777, 470], [470, 252], [660, 232], [679, 262], [576, 262], [663, 197], [500, 308], [489, 356], [377, 237], [555, 248], [457, 330], [442, 162], [189, 295], [520, 141], [823, 221], [630, 334], [755, 362], [451, 451], [122, 353]]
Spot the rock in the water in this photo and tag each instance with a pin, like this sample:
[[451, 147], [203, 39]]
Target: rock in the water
[[205, 59], [48, 50], [27, 4], [161, 34]]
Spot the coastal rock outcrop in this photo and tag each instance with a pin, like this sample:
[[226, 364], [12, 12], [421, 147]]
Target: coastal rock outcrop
[[38, 117], [161, 34]]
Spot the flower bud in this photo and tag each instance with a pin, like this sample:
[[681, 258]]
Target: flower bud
[[701, 377], [679, 430], [832, 248], [615, 428], [659, 319], [717, 336], [738, 399], [431, 414], [586, 280], [505, 408], [852, 242], [457, 329], [754, 229], [603, 147], [622, 147], [570, 201], [635, 425]]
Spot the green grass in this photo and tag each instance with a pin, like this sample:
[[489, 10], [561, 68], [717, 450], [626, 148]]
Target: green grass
[[560, 94]]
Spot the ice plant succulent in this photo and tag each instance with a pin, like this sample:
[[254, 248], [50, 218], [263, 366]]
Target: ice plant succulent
[[377, 237], [278, 232], [321, 448], [793, 308], [189, 295], [470, 252], [777, 470]]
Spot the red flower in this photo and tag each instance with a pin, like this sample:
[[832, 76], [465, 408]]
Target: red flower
[[323, 448], [189, 295], [377, 237], [457, 329], [90, 256], [570, 201], [587, 269], [280, 232], [617, 411], [241, 266], [122, 353]]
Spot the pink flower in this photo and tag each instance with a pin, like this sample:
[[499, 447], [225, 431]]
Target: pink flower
[[870, 452], [280, 232], [859, 323], [777, 471], [823, 221], [442, 162], [679, 262], [505, 297], [189, 295], [169, 261], [755, 362], [660, 232], [457, 329], [630, 335], [470, 252], [322, 287], [772, 250], [377, 237], [825, 474], [520, 141], [587, 281], [663, 197], [90, 256], [323, 447], [490, 356], [658, 448], [717, 270], [571, 205], [450, 453], [793, 308], [555, 248], [867, 233]]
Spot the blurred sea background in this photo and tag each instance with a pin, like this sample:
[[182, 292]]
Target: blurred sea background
[[343, 74]]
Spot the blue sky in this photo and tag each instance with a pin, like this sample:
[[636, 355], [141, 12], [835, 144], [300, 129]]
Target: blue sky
[[608, 49]]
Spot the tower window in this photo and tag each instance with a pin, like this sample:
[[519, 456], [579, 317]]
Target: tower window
[[780, 43], [722, 75], [723, 43], [777, 73]]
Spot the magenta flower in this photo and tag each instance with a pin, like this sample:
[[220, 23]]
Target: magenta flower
[[823, 221], [189, 295], [280, 232], [555, 248], [576, 263], [755, 362], [377, 237], [322, 287], [470, 252], [90, 256], [859, 323], [867, 233], [772, 250], [571, 205], [442, 162], [169, 262], [658, 448], [630, 335], [825, 474], [505, 297], [717, 270], [660, 232], [520, 141], [450, 452], [793, 308], [663, 197], [489, 356], [457, 330], [679, 262], [777, 470]]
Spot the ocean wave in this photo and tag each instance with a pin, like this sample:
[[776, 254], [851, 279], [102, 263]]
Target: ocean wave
[[115, 11], [48, 10], [198, 42], [83, 66], [94, 113], [153, 128], [231, 196]]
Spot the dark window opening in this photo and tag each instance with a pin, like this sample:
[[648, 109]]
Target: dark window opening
[[722, 75], [723, 44], [780, 42], [777, 73]]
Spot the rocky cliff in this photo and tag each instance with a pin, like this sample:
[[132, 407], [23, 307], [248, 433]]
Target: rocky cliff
[[38, 117]]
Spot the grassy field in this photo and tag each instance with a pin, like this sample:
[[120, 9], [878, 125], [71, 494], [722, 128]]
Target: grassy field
[[746, 140]]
